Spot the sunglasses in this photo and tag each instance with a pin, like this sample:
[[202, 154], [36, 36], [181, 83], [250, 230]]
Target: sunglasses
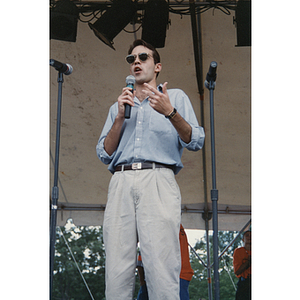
[[132, 57]]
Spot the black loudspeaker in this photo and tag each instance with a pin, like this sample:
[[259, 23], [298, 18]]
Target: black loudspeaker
[[155, 21], [63, 21], [243, 23], [112, 22]]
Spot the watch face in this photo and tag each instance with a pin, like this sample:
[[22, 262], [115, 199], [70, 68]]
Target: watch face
[[173, 113]]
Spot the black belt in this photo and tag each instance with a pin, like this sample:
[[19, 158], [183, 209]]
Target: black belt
[[142, 166]]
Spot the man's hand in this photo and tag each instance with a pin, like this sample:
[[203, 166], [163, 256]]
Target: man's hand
[[126, 97], [157, 100], [162, 104]]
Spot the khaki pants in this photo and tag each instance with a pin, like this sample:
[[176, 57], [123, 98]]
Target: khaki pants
[[143, 205]]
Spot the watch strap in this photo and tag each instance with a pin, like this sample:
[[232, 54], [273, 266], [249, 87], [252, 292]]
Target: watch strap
[[172, 114]]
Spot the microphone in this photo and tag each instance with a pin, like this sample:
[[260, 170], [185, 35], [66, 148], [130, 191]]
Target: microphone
[[63, 68], [130, 81], [211, 75]]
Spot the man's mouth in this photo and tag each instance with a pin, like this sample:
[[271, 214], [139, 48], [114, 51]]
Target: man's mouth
[[137, 70]]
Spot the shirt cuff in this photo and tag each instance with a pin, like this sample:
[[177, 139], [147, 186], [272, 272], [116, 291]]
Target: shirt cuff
[[102, 154]]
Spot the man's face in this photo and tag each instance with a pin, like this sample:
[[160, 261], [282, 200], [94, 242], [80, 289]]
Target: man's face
[[247, 238], [144, 71]]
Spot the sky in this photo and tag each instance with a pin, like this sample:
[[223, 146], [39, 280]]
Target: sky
[[194, 235]]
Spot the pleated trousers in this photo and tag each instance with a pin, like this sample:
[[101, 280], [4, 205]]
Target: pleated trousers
[[144, 206]]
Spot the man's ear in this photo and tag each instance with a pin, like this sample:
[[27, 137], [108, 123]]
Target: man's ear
[[158, 67]]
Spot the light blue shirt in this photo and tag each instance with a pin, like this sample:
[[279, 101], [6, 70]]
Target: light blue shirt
[[150, 136]]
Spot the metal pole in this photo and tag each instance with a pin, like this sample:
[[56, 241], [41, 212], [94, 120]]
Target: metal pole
[[210, 83], [208, 261], [196, 254], [197, 43], [241, 231], [214, 199], [197, 54], [55, 190]]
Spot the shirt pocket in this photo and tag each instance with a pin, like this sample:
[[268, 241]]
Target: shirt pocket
[[159, 123]]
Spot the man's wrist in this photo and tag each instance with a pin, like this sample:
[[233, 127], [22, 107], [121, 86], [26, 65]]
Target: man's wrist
[[120, 118], [171, 114]]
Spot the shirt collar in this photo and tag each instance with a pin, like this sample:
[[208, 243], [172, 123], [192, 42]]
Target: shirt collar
[[159, 87]]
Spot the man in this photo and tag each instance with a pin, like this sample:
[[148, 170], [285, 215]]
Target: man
[[242, 268], [144, 202]]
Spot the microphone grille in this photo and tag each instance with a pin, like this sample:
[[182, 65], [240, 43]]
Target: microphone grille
[[70, 70], [130, 80], [213, 64]]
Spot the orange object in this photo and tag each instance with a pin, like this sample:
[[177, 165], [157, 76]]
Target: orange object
[[186, 269], [240, 256]]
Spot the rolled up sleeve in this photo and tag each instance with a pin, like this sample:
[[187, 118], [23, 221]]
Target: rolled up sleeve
[[197, 139], [101, 153], [185, 108]]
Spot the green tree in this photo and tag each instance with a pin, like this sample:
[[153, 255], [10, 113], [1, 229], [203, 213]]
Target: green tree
[[86, 243], [87, 246], [199, 284]]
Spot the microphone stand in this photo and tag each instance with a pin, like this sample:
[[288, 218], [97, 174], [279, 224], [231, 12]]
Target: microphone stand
[[53, 215], [210, 84]]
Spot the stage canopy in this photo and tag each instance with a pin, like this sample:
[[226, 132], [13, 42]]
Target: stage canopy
[[96, 82]]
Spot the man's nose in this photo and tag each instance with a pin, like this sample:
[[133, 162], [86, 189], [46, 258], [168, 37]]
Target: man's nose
[[137, 61]]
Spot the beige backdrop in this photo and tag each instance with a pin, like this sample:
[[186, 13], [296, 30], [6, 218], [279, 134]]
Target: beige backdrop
[[97, 80]]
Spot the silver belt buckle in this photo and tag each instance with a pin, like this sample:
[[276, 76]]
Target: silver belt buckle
[[136, 166]]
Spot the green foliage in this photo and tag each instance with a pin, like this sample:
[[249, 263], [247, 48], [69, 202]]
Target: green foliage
[[87, 246], [199, 284]]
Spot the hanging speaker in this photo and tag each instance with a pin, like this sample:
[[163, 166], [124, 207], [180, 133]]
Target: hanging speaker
[[113, 21], [63, 21], [243, 23], [155, 21]]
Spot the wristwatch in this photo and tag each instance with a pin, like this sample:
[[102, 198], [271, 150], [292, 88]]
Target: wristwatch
[[172, 114]]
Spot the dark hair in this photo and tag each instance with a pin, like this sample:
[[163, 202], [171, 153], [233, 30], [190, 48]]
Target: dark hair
[[155, 54], [246, 232]]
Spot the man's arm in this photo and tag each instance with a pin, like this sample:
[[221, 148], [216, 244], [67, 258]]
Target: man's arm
[[112, 139], [161, 103], [183, 128]]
